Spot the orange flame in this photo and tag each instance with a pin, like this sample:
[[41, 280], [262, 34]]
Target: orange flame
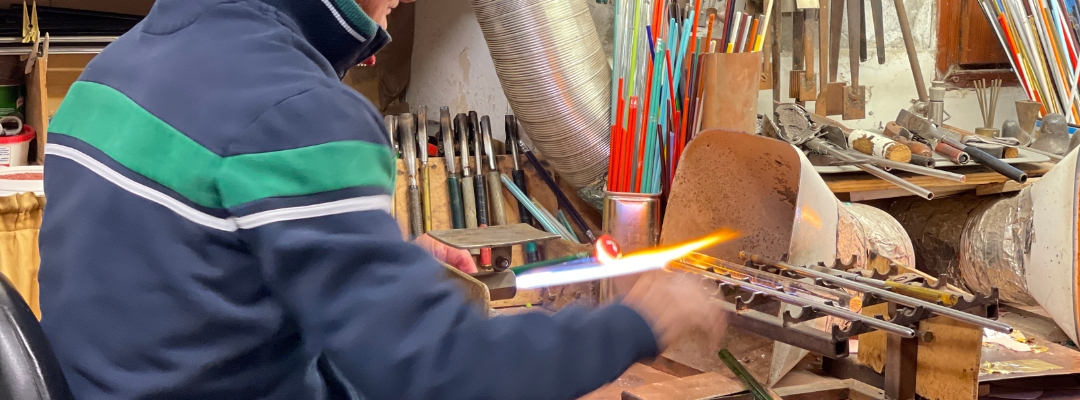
[[611, 265]]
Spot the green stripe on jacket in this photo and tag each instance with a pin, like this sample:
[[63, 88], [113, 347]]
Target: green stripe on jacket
[[114, 124]]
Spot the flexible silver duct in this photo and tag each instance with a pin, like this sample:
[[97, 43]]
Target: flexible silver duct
[[556, 76]]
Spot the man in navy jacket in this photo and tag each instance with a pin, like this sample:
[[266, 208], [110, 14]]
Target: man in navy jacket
[[218, 228]]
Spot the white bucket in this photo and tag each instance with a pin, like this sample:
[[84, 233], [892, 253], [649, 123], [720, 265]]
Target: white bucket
[[13, 149]]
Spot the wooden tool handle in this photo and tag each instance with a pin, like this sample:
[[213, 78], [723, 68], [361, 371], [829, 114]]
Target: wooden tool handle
[[416, 218], [468, 198], [498, 213], [425, 196], [482, 216], [457, 212], [519, 181]]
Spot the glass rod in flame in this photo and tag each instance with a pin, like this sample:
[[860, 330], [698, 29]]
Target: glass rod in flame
[[607, 266]]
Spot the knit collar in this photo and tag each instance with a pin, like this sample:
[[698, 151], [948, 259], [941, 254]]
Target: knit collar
[[338, 29]]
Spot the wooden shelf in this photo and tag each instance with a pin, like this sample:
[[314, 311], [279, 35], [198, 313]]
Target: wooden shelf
[[861, 186]]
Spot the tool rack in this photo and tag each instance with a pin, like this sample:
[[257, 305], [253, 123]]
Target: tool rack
[[897, 382]]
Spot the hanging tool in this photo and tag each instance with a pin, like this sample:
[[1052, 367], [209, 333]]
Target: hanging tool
[[863, 56], [821, 105], [425, 181], [480, 184], [391, 131], [407, 132], [854, 95], [834, 91], [468, 196], [453, 183], [930, 133], [563, 201], [909, 45], [808, 82], [879, 30], [524, 215], [798, 47]]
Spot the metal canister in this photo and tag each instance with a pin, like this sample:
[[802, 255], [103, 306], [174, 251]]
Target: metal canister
[[633, 220], [935, 111]]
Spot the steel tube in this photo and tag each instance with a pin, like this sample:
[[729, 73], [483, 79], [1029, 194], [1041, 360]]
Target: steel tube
[[881, 162], [799, 301], [884, 294], [821, 147]]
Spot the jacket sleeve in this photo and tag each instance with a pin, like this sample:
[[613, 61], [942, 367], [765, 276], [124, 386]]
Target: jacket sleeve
[[381, 310]]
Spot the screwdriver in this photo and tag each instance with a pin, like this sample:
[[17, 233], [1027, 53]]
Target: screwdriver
[[407, 133], [531, 253], [498, 213], [425, 182], [468, 197], [453, 183], [481, 187], [391, 129]]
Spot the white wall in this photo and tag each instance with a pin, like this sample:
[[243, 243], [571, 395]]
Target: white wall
[[451, 66]]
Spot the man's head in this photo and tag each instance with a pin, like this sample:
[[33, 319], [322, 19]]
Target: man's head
[[378, 10]]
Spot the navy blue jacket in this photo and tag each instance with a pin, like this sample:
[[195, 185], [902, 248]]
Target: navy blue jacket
[[217, 228]]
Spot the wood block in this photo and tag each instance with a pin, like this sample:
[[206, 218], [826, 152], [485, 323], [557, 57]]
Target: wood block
[[707, 385], [948, 367]]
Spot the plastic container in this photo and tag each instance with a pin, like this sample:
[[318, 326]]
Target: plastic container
[[13, 149]]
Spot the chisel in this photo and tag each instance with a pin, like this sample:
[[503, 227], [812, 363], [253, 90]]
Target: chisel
[[480, 186], [498, 213], [453, 183], [468, 198], [425, 182], [879, 29], [524, 215], [391, 129], [407, 133]]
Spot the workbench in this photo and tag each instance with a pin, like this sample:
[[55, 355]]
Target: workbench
[[859, 186]]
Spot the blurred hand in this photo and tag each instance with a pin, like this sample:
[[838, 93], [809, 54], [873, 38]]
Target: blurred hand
[[674, 303], [457, 258]]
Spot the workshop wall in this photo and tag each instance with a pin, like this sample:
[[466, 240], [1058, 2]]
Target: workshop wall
[[452, 66], [136, 7]]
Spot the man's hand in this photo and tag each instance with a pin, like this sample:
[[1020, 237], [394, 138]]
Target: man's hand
[[457, 258], [673, 303]]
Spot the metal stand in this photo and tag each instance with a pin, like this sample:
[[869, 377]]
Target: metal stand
[[898, 381]]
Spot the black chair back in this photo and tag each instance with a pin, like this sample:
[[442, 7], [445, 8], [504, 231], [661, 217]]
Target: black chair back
[[28, 368]]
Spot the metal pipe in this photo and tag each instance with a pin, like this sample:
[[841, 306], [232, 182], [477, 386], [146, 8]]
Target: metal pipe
[[799, 301], [884, 294], [936, 173], [823, 147]]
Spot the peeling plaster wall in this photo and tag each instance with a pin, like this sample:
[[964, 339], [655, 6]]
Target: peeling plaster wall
[[451, 65]]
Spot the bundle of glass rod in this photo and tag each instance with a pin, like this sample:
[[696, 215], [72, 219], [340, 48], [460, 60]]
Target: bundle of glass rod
[[656, 85], [1041, 40]]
